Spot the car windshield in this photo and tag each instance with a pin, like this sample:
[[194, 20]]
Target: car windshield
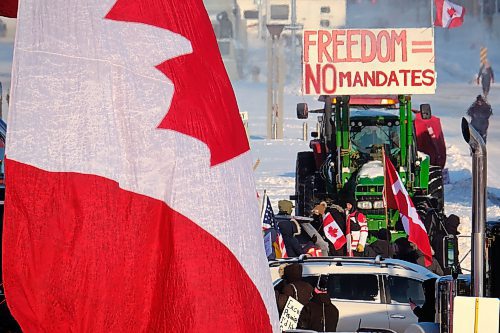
[[367, 138]]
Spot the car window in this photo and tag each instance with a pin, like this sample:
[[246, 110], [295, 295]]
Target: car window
[[358, 287], [402, 289]]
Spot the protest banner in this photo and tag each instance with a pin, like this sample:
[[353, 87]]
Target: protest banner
[[290, 316], [369, 61]]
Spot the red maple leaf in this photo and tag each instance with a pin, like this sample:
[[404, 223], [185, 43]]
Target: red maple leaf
[[451, 11], [203, 105], [333, 232]]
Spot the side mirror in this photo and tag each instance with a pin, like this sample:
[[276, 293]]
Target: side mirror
[[450, 251], [314, 134], [425, 110], [302, 111]]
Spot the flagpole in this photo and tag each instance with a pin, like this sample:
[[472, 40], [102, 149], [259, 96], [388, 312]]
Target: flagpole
[[384, 195], [384, 198], [432, 13], [263, 206]]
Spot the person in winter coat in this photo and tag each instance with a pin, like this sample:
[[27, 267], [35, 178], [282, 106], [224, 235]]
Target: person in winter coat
[[225, 26], [479, 113], [319, 314], [487, 77], [356, 229], [449, 227], [381, 246], [426, 312], [295, 287], [405, 250], [290, 228], [337, 213]]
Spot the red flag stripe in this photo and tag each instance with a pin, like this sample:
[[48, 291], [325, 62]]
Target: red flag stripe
[[121, 283]]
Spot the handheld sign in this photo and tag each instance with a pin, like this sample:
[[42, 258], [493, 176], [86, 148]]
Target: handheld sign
[[290, 316], [369, 61]]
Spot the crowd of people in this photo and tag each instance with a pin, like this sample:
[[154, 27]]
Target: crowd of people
[[319, 313], [353, 224]]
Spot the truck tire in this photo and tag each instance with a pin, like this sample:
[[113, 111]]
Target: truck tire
[[304, 182]]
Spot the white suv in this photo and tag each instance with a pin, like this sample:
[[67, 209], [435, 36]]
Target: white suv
[[368, 292]]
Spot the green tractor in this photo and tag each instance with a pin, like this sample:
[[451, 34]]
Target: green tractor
[[347, 154]]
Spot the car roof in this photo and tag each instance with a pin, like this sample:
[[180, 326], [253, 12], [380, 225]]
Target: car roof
[[354, 265]]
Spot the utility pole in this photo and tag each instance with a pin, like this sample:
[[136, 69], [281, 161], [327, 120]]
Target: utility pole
[[294, 27], [294, 42], [275, 86]]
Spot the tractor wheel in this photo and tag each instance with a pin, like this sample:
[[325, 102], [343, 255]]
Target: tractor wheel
[[304, 182], [436, 188], [310, 188]]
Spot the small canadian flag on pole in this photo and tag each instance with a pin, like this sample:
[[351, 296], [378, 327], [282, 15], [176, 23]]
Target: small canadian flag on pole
[[333, 231], [448, 14]]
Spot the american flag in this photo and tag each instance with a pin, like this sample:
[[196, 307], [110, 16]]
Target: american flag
[[268, 222]]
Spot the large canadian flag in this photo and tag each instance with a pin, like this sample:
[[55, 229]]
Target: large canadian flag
[[448, 14], [130, 193], [333, 231], [397, 197]]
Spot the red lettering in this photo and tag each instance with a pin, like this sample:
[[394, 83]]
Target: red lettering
[[393, 78], [370, 76], [388, 48], [312, 78], [405, 73], [350, 43], [399, 39], [414, 77], [380, 74], [308, 43], [324, 73], [336, 43], [357, 80], [343, 77], [365, 36], [428, 74], [323, 46]]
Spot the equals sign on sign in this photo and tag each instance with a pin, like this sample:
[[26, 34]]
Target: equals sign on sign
[[421, 46]]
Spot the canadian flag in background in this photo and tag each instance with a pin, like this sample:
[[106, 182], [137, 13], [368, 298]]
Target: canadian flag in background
[[130, 192], [397, 197], [448, 14], [333, 231]]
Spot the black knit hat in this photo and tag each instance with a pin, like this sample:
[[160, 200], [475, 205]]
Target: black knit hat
[[322, 285]]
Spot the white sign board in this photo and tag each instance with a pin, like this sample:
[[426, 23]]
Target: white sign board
[[369, 61], [476, 315], [290, 316]]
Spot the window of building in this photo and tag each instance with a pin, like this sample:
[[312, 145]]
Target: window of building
[[279, 12], [325, 10], [324, 23]]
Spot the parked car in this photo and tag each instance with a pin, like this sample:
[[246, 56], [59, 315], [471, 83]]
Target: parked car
[[369, 292]]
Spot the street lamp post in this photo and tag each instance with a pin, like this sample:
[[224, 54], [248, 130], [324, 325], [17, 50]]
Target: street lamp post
[[275, 86]]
